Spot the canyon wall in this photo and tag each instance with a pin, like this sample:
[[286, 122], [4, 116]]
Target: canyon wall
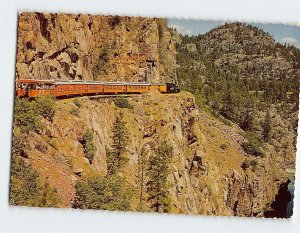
[[206, 176], [87, 47]]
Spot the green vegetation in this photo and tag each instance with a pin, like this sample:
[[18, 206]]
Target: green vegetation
[[141, 177], [224, 146], [115, 155], [74, 111], [77, 102], [267, 127], [28, 114], [254, 146], [242, 78], [88, 145], [46, 107], [122, 102], [102, 62], [254, 164], [245, 164], [250, 163], [157, 173], [108, 193], [27, 188]]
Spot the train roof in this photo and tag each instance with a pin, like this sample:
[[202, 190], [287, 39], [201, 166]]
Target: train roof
[[35, 81], [85, 82]]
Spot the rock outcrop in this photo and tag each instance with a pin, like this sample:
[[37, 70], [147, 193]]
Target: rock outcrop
[[206, 176], [88, 47]]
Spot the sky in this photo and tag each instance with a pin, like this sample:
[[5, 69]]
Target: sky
[[282, 33]]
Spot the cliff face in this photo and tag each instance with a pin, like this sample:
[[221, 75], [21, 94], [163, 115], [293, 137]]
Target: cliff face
[[86, 47], [206, 174]]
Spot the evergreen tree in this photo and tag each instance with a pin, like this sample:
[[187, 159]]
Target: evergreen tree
[[110, 192], [107, 193], [88, 145], [27, 188], [267, 127], [120, 141], [157, 173], [228, 107], [248, 120], [142, 162]]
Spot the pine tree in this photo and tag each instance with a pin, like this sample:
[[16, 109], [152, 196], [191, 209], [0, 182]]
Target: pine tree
[[267, 127], [157, 173], [28, 188], [107, 193], [88, 145], [142, 162], [248, 120], [120, 142]]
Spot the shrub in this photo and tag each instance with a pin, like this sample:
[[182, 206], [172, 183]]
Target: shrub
[[88, 145], [101, 63], [107, 193], [254, 145], [26, 116], [19, 144], [224, 146], [27, 188], [46, 107], [74, 112], [76, 101], [121, 102], [245, 164], [253, 164]]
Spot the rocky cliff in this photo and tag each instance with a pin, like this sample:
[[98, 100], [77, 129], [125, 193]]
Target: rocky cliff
[[88, 47], [206, 175]]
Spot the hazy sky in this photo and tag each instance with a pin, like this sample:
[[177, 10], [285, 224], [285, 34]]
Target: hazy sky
[[282, 33]]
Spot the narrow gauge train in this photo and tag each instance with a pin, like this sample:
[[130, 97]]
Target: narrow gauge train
[[35, 88]]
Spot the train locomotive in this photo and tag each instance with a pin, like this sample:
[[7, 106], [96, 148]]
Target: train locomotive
[[32, 88]]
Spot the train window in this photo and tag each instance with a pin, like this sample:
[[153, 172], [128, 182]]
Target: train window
[[32, 86], [39, 86], [22, 85], [49, 86]]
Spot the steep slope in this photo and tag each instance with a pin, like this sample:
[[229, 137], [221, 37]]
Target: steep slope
[[239, 72], [205, 173], [248, 52], [87, 47]]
